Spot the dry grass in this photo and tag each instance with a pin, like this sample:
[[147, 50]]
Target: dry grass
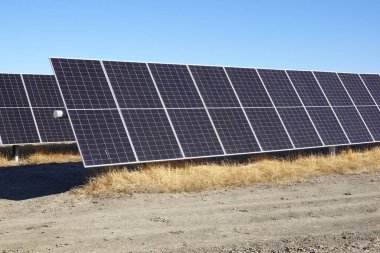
[[193, 176], [41, 154]]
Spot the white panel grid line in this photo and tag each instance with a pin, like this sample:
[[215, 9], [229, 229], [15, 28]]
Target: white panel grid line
[[303, 105], [274, 106], [328, 101], [166, 110], [355, 106], [119, 110], [241, 106], [31, 109], [208, 113]]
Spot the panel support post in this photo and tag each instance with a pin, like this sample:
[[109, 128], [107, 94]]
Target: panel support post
[[15, 152], [332, 151]]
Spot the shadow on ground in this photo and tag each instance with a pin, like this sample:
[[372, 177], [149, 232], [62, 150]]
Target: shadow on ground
[[32, 181]]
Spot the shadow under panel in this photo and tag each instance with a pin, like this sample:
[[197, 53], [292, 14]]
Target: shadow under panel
[[101, 137], [268, 129], [234, 130], [300, 127], [151, 134], [195, 132], [327, 125], [51, 129], [17, 126], [353, 125]]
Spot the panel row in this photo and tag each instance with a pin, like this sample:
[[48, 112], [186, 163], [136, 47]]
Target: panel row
[[169, 111], [27, 103]]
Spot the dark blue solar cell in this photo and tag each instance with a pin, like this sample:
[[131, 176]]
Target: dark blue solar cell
[[279, 87], [333, 88], [249, 87], [43, 91], [83, 84], [327, 125], [101, 137], [176, 86], [12, 91], [299, 127], [307, 88], [195, 132], [371, 116], [353, 125], [234, 130], [132, 84], [151, 134], [356, 89], [51, 129], [214, 86], [268, 128], [17, 126], [373, 84]]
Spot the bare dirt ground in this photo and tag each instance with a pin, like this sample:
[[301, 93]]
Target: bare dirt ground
[[325, 214]]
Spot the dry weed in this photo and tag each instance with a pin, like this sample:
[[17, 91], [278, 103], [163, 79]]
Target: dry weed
[[196, 176]]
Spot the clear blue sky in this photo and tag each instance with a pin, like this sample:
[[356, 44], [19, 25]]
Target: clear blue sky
[[339, 35]]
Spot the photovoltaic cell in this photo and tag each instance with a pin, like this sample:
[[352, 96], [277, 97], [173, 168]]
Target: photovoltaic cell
[[132, 84], [195, 132], [214, 86], [12, 92], [249, 87], [353, 124], [268, 128], [83, 84], [17, 126], [234, 130], [43, 91], [333, 89], [101, 137], [327, 125], [371, 116], [279, 87], [307, 88], [51, 129], [356, 89], [373, 84], [299, 127], [151, 134], [176, 87]]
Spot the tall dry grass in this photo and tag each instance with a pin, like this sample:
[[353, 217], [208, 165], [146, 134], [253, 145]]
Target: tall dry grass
[[40, 154], [193, 176]]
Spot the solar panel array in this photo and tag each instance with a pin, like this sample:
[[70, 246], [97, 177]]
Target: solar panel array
[[129, 112], [27, 103]]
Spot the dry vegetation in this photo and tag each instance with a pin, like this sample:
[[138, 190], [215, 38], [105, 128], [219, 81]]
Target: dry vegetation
[[40, 154], [198, 176]]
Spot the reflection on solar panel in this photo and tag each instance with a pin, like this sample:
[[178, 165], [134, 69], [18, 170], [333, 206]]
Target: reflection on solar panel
[[128, 112], [27, 103]]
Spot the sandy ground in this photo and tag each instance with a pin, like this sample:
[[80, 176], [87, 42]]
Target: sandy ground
[[325, 214]]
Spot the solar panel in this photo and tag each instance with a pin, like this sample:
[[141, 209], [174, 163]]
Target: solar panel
[[44, 98], [214, 86], [333, 88], [279, 87], [356, 88], [328, 125], [234, 130], [308, 88], [372, 82], [155, 112]]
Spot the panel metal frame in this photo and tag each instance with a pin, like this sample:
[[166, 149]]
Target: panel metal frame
[[206, 108]]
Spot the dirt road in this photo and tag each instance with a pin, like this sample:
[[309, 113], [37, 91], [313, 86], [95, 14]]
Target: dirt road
[[325, 214]]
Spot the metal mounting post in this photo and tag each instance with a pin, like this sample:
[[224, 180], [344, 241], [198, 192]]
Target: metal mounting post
[[15, 152], [332, 150]]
